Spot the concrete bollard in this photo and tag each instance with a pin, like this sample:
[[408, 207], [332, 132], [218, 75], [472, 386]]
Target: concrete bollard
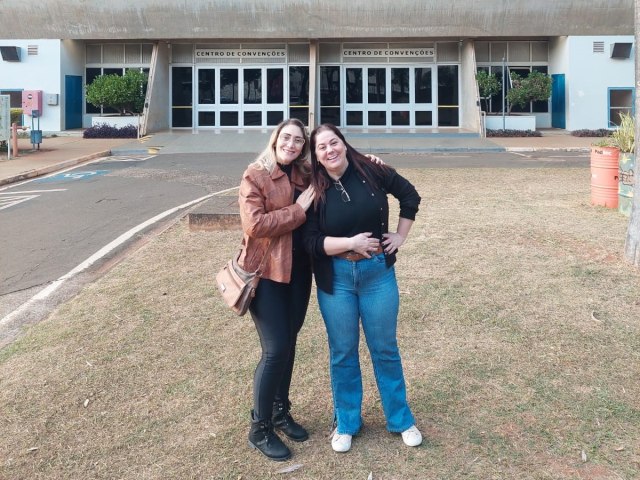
[[14, 139]]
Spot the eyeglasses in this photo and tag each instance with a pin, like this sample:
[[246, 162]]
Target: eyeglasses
[[343, 193], [286, 138]]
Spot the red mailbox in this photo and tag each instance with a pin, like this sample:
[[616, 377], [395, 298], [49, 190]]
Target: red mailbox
[[31, 100]]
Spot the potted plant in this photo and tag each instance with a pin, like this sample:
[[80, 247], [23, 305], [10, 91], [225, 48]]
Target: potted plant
[[124, 93], [604, 172], [524, 90], [624, 139]]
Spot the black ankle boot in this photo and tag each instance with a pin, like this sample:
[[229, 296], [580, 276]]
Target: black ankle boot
[[263, 438], [284, 422]]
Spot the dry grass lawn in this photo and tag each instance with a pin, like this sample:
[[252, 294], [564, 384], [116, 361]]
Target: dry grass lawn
[[519, 330]]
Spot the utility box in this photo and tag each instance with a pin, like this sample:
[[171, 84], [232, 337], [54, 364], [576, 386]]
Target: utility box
[[51, 98], [31, 100]]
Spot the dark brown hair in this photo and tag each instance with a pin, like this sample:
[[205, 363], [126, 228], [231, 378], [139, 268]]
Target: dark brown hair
[[320, 179]]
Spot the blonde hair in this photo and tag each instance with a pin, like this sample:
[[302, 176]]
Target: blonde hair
[[267, 159]]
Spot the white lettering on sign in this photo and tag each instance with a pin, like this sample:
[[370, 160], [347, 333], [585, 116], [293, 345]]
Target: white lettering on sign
[[389, 52], [241, 53]]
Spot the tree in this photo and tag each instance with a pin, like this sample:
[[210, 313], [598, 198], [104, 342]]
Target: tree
[[124, 93], [632, 242], [488, 86], [536, 86]]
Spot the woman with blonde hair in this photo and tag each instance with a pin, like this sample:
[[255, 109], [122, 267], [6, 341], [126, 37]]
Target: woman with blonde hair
[[274, 197]]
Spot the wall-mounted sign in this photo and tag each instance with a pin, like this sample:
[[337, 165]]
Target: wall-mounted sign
[[389, 52], [241, 53]]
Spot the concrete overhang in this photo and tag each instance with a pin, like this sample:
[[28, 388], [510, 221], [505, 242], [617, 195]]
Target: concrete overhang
[[318, 19]]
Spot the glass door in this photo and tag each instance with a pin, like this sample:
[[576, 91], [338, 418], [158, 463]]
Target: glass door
[[240, 96], [181, 97], [299, 93], [448, 97], [330, 111], [389, 96]]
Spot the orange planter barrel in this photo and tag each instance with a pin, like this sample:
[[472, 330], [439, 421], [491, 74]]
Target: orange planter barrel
[[604, 176]]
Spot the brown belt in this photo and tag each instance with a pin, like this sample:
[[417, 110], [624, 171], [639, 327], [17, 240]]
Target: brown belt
[[355, 256]]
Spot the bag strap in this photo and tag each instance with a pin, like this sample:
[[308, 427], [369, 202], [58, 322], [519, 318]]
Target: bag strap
[[266, 255]]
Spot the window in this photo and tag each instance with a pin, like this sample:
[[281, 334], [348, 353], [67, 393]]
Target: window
[[519, 56], [620, 101]]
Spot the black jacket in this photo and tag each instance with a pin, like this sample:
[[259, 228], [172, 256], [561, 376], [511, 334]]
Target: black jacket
[[314, 229]]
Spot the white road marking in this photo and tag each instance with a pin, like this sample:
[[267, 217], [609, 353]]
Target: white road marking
[[127, 158], [53, 286], [6, 202], [13, 199], [36, 191]]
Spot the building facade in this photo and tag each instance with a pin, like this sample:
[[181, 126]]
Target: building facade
[[403, 65]]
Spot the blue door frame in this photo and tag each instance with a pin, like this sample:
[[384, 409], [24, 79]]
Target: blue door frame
[[558, 108], [72, 102]]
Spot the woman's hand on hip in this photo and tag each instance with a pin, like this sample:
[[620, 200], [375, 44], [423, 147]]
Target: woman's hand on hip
[[306, 198], [392, 242]]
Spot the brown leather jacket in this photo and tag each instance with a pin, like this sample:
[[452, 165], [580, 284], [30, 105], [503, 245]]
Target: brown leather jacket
[[267, 211]]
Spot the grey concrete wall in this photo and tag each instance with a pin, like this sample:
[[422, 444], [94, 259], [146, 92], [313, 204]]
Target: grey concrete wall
[[304, 19]]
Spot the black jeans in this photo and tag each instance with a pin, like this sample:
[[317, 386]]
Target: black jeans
[[278, 311]]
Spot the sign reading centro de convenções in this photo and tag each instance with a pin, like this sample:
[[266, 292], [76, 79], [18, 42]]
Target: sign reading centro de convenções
[[389, 52], [282, 52], [240, 53]]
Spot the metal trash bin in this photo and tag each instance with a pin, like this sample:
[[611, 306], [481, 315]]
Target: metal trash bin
[[36, 137]]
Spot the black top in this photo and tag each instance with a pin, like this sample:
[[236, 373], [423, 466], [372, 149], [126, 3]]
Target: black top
[[366, 211], [354, 211]]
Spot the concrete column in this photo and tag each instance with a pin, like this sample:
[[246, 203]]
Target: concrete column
[[469, 102], [313, 74]]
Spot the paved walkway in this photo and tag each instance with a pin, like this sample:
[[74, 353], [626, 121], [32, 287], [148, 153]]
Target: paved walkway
[[63, 151]]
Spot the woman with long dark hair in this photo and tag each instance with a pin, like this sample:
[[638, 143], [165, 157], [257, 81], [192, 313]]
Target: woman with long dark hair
[[354, 252]]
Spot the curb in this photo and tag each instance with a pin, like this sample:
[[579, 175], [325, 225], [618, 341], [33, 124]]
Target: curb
[[548, 149], [38, 172], [434, 150]]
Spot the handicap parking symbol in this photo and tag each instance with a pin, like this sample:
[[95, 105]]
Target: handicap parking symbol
[[77, 175]]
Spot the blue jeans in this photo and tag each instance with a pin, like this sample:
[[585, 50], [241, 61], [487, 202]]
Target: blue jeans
[[365, 290]]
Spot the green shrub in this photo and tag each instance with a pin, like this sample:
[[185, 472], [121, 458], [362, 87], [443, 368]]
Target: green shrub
[[16, 116], [585, 132], [536, 86], [123, 93], [513, 133], [488, 86], [624, 137]]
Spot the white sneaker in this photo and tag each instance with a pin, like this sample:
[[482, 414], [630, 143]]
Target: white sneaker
[[341, 442], [411, 437]]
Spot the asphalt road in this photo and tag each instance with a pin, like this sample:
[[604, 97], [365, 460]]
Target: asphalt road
[[50, 225]]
